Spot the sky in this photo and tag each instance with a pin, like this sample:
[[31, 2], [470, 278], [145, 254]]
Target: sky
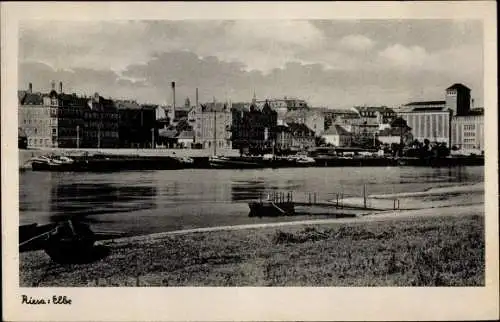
[[330, 63]]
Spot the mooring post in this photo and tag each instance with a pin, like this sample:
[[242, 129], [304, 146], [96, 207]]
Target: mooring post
[[364, 195], [337, 194], [315, 198], [309, 198]]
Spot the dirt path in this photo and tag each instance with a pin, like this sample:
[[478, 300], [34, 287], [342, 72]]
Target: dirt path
[[378, 216]]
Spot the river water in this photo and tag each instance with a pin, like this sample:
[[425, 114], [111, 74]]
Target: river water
[[140, 202]]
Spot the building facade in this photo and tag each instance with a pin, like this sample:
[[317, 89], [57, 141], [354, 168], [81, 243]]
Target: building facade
[[303, 138], [37, 120], [451, 121], [311, 118], [253, 128], [467, 133], [431, 123], [371, 119], [458, 99], [57, 119], [337, 136], [137, 124], [213, 126]]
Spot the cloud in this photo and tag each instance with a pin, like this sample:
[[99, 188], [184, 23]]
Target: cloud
[[335, 63], [405, 57], [296, 32], [356, 43]]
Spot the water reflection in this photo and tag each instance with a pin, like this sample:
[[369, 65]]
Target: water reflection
[[153, 201], [85, 199]]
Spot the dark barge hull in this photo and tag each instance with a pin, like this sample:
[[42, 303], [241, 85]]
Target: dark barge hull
[[113, 164]]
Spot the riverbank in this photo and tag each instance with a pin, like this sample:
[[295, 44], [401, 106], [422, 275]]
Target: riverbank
[[415, 251]]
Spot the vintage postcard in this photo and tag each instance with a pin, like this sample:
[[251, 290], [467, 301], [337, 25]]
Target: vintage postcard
[[249, 161]]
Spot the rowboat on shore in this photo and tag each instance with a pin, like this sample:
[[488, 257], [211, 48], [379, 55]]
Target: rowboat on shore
[[61, 241]]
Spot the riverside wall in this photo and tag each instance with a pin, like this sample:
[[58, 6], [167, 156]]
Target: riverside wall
[[26, 155]]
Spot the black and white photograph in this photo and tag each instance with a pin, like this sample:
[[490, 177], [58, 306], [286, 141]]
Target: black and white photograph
[[260, 152]]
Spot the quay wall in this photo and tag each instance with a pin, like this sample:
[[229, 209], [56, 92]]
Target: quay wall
[[26, 155]]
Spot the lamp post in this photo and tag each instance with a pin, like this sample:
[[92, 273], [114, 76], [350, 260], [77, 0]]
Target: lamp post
[[152, 138], [78, 136]]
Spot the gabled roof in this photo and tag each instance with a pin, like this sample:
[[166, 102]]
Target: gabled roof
[[27, 98], [336, 130], [299, 127], [458, 86]]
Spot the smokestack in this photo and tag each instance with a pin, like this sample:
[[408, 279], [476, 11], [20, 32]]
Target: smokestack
[[30, 88], [60, 87], [196, 97], [173, 101], [53, 85]]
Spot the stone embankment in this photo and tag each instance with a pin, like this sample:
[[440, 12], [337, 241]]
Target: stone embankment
[[26, 155]]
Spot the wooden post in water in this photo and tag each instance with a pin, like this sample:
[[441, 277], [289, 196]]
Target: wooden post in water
[[364, 195], [337, 194]]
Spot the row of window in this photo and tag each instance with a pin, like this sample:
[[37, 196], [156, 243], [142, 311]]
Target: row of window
[[469, 134], [40, 121], [39, 142], [469, 127]]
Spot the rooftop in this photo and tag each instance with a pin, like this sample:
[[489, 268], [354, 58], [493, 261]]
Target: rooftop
[[458, 86], [336, 130], [381, 109], [420, 103]]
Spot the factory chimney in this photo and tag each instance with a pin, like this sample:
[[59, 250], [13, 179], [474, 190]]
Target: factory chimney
[[30, 88], [53, 85], [196, 98], [173, 101], [60, 88]]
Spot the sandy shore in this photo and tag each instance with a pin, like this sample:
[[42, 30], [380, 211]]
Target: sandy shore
[[384, 248]]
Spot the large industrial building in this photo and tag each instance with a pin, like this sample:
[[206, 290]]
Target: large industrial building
[[451, 121]]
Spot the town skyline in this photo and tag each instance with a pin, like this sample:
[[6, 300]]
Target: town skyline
[[330, 63]]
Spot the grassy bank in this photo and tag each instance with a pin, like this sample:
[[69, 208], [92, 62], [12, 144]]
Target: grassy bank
[[437, 251]]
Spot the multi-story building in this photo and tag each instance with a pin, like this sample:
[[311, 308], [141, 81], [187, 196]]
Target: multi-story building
[[313, 119], [72, 128], [64, 120], [450, 121], [467, 132], [428, 120], [253, 128], [458, 99], [303, 137], [37, 119], [137, 124], [213, 126], [337, 136], [338, 116], [101, 123], [371, 120], [288, 103]]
